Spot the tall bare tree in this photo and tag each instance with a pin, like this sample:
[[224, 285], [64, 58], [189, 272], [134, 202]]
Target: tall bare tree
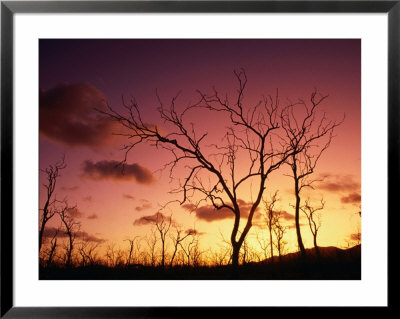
[[52, 173], [314, 220], [178, 238], [163, 225], [131, 248], [308, 133], [250, 132], [151, 242], [191, 249], [52, 249], [71, 227], [279, 232], [270, 220]]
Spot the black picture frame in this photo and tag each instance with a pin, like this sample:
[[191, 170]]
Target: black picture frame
[[9, 8]]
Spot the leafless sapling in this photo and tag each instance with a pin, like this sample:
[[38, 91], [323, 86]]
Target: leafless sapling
[[52, 173], [314, 220], [71, 228]]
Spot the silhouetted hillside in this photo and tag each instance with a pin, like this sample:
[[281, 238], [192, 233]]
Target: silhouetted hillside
[[333, 253]]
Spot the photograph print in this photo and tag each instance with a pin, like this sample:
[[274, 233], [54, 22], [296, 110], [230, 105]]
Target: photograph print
[[199, 159]]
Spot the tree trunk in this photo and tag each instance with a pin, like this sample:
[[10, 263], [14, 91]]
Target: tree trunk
[[297, 217], [235, 255], [40, 237], [317, 252], [270, 241]]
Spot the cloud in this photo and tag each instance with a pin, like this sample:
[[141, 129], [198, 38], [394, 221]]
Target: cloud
[[87, 198], [127, 196], [67, 115], [193, 232], [294, 225], [339, 183], [112, 170], [209, 213], [75, 212], [355, 236], [50, 231], [93, 216], [286, 216], [72, 188], [353, 198], [145, 205], [152, 219]]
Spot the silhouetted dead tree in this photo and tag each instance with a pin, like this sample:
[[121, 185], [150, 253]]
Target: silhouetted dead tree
[[163, 225], [250, 132], [115, 256], [308, 133], [314, 220], [191, 250], [279, 232], [52, 250], [71, 227], [151, 242], [131, 249], [52, 173], [270, 220], [263, 243], [87, 250], [180, 236]]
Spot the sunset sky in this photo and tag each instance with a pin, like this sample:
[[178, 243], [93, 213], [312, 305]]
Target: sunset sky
[[78, 76]]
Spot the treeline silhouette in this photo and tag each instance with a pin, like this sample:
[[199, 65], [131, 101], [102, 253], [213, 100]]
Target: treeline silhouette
[[332, 264]]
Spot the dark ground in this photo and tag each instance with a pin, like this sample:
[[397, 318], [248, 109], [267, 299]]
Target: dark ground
[[334, 264]]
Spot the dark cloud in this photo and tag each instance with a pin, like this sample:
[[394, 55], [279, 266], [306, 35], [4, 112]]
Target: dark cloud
[[193, 232], [353, 198], [50, 231], [112, 170], [339, 183], [355, 236], [152, 219], [93, 216], [75, 212], [209, 213], [144, 206], [72, 188], [87, 198], [127, 196], [67, 115]]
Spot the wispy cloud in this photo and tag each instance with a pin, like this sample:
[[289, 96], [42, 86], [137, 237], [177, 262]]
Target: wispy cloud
[[50, 231], [144, 206], [339, 183]]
